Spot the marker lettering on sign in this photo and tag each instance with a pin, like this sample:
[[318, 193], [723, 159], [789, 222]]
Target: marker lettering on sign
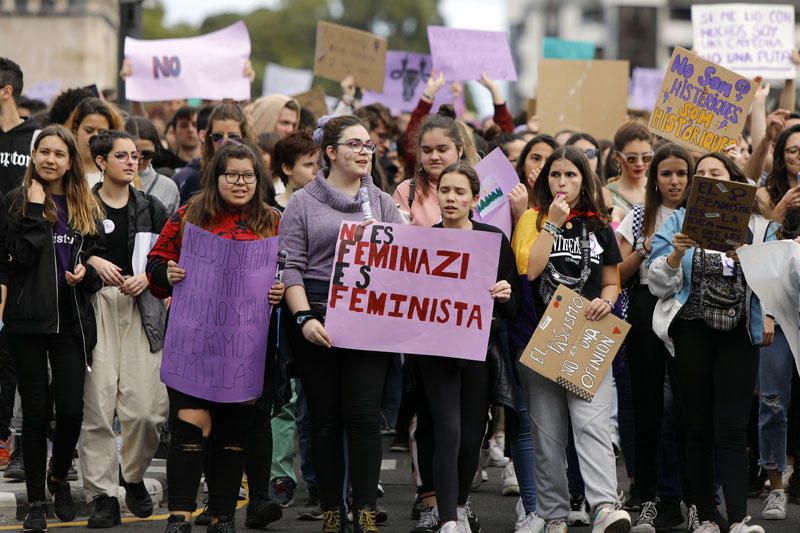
[[167, 67]]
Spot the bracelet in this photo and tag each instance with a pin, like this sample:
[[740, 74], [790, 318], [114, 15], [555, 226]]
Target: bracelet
[[426, 96], [643, 254], [551, 228], [610, 305], [301, 317]]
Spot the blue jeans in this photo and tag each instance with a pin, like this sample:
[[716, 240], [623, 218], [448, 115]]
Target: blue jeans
[[392, 392], [775, 390], [522, 453]]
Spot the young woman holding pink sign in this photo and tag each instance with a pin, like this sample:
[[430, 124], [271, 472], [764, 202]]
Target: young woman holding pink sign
[[459, 391]]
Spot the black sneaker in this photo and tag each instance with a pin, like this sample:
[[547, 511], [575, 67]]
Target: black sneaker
[[578, 510], [312, 509], [472, 518], [137, 499], [225, 525], [204, 518], [36, 519], [281, 490], [261, 511], [178, 524], [365, 521], [417, 508], [105, 512], [793, 487], [645, 521], [333, 521], [669, 515], [428, 522], [15, 471], [63, 504], [381, 515]]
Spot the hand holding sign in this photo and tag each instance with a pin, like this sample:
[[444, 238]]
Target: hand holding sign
[[718, 212]]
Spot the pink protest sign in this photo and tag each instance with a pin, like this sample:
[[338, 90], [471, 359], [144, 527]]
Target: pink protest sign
[[406, 77], [210, 66], [465, 54], [399, 288], [216, 342], [498, 177]]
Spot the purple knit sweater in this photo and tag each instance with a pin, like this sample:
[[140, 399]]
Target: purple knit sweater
[[310, 226]]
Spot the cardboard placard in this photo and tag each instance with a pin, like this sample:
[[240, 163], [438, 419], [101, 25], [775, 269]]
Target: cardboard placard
[[341, 51], [314, 101], [750, 39], [717, 213], [702, 105], [587, 96], [570, 350]]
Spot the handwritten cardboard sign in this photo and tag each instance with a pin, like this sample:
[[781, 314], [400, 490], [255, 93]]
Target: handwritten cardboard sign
[[172, 69], [465, 54], [314, 101], [568, 349], [645, 87], [284, 80], [342, 51], [497, 177], [701, 105], [399, 288], [717, 213], [750, 39], [587, 96], [216, 342], [554, 48], [404, 82]]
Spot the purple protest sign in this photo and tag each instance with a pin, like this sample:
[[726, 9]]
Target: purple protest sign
[[465, 54], [172, 69], [498, 177], [406, 77], [399, 288], [645, 87], [216, 342]]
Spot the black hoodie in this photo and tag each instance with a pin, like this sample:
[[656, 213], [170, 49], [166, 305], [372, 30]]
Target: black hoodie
[[15, 153]]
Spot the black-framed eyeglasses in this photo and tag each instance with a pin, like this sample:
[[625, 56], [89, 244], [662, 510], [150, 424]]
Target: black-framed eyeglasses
[[124, 156], [219, 138], [358, 146], [632, 159], [232, 178], [591, 153]]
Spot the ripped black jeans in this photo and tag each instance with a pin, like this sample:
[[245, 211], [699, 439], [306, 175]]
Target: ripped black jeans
[[225, 446]]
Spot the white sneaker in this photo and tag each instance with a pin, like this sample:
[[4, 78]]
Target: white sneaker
[[449, 527], [611, 520], [742, 527], [775, 506], [644, 522], [477, 479], [497, 456], [556, 526], [428, 519], [707, 527], [463, 521], [521, 514], [510, 484], [532, 523]]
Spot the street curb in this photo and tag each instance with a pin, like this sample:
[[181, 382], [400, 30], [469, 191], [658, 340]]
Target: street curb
[[14, 505]]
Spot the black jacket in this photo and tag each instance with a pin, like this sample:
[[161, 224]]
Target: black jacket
[[146, 218], [32, 307], [15, 153]]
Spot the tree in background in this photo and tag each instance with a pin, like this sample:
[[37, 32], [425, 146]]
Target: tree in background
[[286, 34]]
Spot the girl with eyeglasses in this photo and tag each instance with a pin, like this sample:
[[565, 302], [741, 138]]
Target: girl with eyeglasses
[[713, 325], [92, 116], [230, 205], [148, 145], [781, 200], [53, 226], [344, 387], [633, 150], [130, 334], [227, 124]]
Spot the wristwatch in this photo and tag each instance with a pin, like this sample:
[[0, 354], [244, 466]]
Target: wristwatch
[[301, 317], [640, 247]]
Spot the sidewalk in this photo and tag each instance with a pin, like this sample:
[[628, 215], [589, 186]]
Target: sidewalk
[[14, 500]]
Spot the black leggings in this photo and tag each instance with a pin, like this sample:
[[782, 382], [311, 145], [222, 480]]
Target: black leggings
[[65, 353], [225, 445], [259, 448], [715, 375], [458, 394], [344, 389]]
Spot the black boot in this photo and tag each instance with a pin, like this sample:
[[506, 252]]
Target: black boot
[[16, 467], [105, 512], [261, 511]]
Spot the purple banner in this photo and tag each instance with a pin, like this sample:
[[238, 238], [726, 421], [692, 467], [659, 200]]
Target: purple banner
[[406, 77], [216, 342], [399, 288], [465, 54], [498, 177]]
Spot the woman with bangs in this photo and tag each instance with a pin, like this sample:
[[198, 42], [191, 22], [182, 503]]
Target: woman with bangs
[[231, 206], [633, 151], [52, 228], [713, 325], [92, 116]]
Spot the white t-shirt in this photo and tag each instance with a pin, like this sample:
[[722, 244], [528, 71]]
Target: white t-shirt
[[625, 231]]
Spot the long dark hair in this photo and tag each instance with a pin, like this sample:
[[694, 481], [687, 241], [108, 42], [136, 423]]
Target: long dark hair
[[652, 196], [207, 205], [329, 131], [224, 111], [588, 200], [778, 178], [523, 155]]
